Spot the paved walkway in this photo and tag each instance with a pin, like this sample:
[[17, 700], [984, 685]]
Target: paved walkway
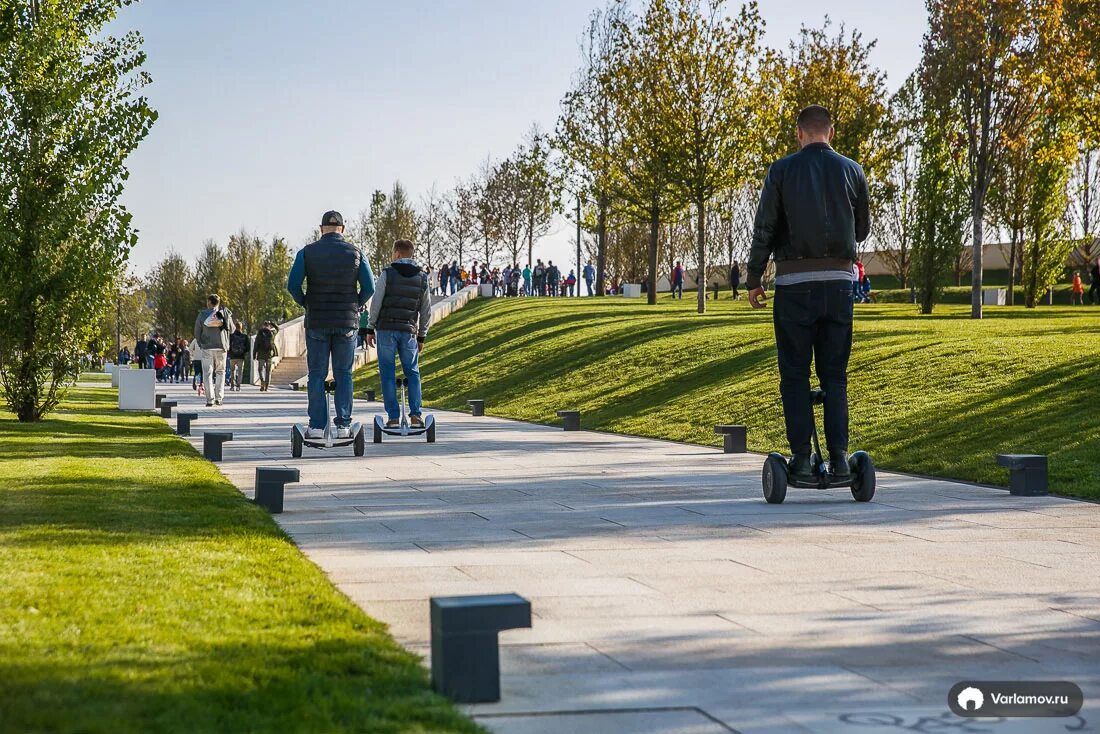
[[669, 597]]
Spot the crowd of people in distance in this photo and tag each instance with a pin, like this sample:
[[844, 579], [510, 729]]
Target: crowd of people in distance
[[512, 280]]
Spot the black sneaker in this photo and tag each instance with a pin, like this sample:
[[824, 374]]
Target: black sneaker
[[838, 465], [800, 469], [209, 403]]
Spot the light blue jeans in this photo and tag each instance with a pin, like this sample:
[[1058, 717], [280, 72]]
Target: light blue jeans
[[401, 345], [321, 345]]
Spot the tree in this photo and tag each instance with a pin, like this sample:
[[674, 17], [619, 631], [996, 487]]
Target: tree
[[697, 67], [209, 270], [128, 318], [1008, 202], [899, 204], [70, 115], [538, 188], [486, 212], [277, 303], [587, 134], [940, 212], [993, 63], [644, 152], [504, 194], [243, 280], [171, 289], [459, 221], [430, 220], [1052, 151]]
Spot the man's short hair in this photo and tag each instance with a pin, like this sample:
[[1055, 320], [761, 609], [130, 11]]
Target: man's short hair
[[213, 299], [404, 247], [815, 120]]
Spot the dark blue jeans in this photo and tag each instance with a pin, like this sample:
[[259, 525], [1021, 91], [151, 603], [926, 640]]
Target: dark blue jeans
[[814, 321], [321, 345]]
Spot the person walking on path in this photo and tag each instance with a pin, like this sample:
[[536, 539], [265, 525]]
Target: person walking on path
[[1094, 285], [238, 353], [735, 279], [1077, 293], [527, 279], [338, 282], [814, 208], [212, 328], [398, 321], [589, 274], [263, 351], [196, 368], [184, 362], [678, 281], [571, 282], [444, 279], [124, 356]]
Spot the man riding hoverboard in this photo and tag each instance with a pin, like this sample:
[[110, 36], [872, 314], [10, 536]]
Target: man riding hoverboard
[[338, 283], [813, 210]]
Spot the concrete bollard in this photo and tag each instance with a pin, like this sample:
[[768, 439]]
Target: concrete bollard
[[370, 395], [1027, 474], [465, 650], [570, 419], [166, 408], [477, 407], [183, 423], [270, 481], [158, 399], [734, 438], [212, 444]]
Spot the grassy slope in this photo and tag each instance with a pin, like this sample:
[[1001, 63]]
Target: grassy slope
[[143, 593], [934, 395]]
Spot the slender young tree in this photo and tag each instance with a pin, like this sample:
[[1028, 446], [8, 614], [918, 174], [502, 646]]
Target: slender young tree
[[587, 133], [459, 221], [994, 63], [538, 188], [696, 61], [430, 218], [171, 289], [71, 113]]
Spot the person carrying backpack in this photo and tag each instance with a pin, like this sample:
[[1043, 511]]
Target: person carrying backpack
[[238, 353], [263, 351], [212, 328]]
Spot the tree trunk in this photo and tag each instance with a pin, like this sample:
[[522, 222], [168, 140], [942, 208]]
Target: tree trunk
[[976, 212], [701, 260], [601, 246], [654, 232], [1012, 267], [1032, 286]]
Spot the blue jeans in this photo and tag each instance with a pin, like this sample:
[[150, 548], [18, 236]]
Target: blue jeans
[[588, 284], [678, 289], [321, 344], [392, 345]]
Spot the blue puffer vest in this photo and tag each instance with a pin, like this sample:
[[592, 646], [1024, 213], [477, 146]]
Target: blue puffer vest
[[332, 276]]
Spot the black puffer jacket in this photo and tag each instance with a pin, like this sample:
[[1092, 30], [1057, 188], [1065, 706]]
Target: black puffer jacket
[[813, 210]]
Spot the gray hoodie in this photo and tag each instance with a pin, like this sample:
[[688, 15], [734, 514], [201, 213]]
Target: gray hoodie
[[213, 337]]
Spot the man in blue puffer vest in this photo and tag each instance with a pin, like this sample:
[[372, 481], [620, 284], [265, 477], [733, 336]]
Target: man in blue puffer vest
[[338, 282]]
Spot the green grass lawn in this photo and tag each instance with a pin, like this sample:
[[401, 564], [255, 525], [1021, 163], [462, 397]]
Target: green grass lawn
[[936, 395], [143, 593], [94, 377]]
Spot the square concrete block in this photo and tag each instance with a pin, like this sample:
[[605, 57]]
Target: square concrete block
[[137, 389]]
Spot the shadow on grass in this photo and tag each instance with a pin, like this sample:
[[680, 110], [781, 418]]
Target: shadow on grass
[[358, 682]]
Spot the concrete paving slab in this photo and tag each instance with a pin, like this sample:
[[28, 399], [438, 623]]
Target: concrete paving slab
[[667, 596]]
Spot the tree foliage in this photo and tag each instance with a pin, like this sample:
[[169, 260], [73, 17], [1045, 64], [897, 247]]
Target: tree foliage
[[71, 113]]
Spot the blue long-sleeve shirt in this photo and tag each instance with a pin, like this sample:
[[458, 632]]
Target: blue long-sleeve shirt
[[298, 276]]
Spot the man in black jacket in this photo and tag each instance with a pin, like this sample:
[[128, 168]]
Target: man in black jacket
[[813, 210]]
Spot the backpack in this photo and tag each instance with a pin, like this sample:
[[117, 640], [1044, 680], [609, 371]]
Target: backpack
[[238, 346], [264, 342]]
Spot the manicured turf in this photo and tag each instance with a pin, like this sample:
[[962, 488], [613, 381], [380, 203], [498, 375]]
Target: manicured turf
[[936, 395], [143, 593]]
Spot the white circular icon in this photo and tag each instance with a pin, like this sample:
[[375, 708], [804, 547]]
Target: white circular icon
[[971, 699]]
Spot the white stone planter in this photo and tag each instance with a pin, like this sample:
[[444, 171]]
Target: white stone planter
[[632, 290], [136, 389]]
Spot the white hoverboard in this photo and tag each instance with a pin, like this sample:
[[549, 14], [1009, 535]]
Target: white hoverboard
[[404, 429], [356, 436]]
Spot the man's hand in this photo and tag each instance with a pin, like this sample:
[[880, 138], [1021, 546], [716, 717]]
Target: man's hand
[[758, 298], [419, 346], [370, 340]]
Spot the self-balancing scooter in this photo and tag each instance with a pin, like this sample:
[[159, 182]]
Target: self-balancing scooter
[[356, 437], [776, 474], [404, 429]]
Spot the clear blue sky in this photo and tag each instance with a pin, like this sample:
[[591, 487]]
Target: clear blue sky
[[272, 111]]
